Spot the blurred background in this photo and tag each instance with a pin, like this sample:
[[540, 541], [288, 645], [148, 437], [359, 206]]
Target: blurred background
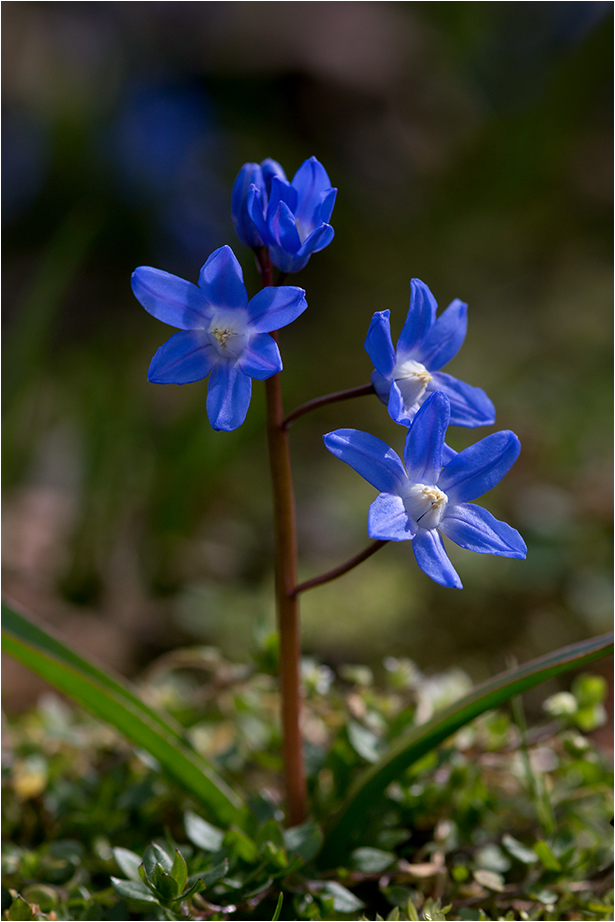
[[471, 145]]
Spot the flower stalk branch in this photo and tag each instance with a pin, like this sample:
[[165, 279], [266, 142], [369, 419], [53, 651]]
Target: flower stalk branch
[[361, 391], [339, 571]]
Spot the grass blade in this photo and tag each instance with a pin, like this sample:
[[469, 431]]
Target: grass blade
[[418, 741], [111, 701]]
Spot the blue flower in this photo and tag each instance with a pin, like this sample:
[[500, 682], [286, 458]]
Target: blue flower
[[221, 332], [403, 378], [422, 497], [290, 218], [260, 176]]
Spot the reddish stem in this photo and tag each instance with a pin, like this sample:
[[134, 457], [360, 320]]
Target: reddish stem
[[287, 604], [339, 571], [318, 402]]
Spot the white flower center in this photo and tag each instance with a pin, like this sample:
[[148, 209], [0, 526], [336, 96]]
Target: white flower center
[[425, 504], [412, 379], [228, 333]]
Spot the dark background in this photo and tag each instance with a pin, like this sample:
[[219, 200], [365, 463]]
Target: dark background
[[471, 145]]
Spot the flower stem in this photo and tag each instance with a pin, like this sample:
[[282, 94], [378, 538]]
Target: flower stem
[[360, 391], [287, 604], [339, 571]]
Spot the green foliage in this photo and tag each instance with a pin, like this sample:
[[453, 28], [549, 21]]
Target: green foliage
[[93, 831]]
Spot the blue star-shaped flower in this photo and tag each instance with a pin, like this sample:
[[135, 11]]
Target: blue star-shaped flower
[[221, 332], [423, 497], [290, 218], [403, 378]]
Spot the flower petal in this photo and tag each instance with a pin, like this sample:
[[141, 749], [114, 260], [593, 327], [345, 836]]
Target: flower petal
[[221, 281], [445, 338], [274, 308], [477, 530], [320, 238], [281, 191], [256, 211], [169, 298], [310, 181], [322, 215], [228, 397], [433, 559], [379, 345], [470, 406], [370, 457], [425, 440], [388, 519], [186, 357], [420, 319], [283, 229], [261, 358], [250, 174], [270, 169], [477, 469], [398, 411]]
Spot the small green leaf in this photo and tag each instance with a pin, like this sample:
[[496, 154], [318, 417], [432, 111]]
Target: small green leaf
[[240, 845], [304, 840], [179, 871], [205, 879], [128, 862], [274, 855], [202, 833], [19, 909], [45, 897], [343, 899], [364, 741], [518, 850], [371, 860], [164, 883], [131, 890], [548, 859], [490, 879]]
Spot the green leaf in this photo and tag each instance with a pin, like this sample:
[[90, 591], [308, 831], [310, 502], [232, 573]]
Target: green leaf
[[240, 845], [418, 741], [304, 840], [131, 890], [128, 863], [110, 700], [518, 850], [372, 860], [548, 859], [343, 899], [203, 880], [164, 883], [278, 908], [202, 833], [19, 909], [179, 871]]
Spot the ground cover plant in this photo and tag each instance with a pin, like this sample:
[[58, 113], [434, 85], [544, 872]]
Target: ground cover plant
[[499, 823], [330, 814]]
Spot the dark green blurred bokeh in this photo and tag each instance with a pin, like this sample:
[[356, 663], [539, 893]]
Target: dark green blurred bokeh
[[471, 146]]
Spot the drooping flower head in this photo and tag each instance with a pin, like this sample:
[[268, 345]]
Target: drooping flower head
[[222, 332], [290, 218], [418, 500], [404, 377]]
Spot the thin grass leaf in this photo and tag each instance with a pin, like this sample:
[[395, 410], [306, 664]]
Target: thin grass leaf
[[119, 709], [26, 629], [418, 741]]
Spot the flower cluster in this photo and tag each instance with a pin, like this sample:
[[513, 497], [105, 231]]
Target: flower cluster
[[225, 335]]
